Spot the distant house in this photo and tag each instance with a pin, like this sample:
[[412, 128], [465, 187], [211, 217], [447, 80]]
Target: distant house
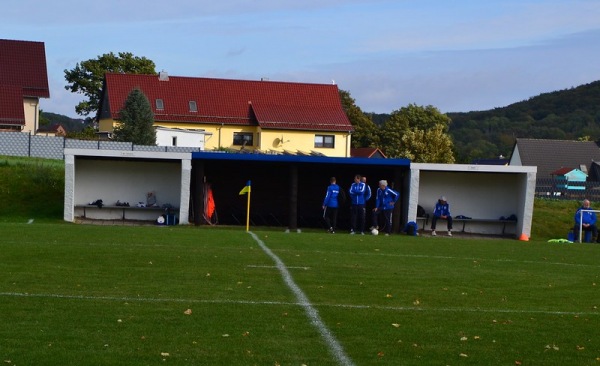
[[367, 152], [23, 81], [265, 116], [550, 155], [52, 130], [569, 178]]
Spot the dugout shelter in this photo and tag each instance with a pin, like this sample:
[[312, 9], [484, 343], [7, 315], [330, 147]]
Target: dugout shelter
[[288, 190]]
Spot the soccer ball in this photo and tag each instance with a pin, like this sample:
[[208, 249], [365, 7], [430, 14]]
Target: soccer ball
[[375, 232]]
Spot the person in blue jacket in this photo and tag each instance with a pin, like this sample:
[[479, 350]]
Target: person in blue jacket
[[357, 205], [587, 221], [384, 204], [441, 211], [331, 205]]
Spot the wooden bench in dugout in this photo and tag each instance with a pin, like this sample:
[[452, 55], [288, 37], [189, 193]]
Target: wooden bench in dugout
[[124, 209], [465, 221]]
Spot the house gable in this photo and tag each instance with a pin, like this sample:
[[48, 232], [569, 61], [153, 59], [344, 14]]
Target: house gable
[[367, 152], [23, 75]]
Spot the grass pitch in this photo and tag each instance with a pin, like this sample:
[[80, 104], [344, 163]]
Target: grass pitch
[[77, 294]]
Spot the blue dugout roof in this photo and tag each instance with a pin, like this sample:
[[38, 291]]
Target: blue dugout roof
[[203, 155]]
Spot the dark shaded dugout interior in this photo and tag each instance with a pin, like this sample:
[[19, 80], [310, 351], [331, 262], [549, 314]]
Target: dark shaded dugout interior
[[287, 190]]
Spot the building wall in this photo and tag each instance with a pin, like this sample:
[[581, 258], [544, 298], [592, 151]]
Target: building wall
[[304, 141], [30, 106], [264, 140], [515, 158], [164, 137]]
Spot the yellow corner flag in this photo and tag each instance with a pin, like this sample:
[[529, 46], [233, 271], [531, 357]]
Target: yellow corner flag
[[247, 189]]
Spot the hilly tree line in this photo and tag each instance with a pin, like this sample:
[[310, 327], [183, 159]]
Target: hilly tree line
[[570, 114]]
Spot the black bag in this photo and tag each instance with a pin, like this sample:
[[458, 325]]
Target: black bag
[[420, 211]]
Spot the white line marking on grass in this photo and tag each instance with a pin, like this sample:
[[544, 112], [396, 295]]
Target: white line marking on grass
[[254, 266], [343, 306], [465, 258], [312, 313]]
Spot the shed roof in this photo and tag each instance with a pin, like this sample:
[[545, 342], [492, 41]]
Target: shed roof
[[268, 104], [209, 155]]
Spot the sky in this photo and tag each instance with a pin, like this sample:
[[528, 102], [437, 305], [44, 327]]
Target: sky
[[457, 56]]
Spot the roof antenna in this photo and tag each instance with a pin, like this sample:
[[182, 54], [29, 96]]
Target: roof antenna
[[163, 76]]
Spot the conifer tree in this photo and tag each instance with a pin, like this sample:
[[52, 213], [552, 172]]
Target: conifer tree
[[136, 120]]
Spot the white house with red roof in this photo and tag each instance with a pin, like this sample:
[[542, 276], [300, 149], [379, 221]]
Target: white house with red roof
[[23, 81], [268, 116]]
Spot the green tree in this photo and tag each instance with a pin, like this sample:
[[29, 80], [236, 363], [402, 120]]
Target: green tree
[[86, 78], [44, 121], [418, 133], [365, 131], [427, 146], [136, 120], [88, 133]]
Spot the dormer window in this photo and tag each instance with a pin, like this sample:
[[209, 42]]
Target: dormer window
[[193, 106], [160, 105]]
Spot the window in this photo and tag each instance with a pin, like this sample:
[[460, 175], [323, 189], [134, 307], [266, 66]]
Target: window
[[159, 104], [173, 140], [193, 106], [325, 141], [243, 138]]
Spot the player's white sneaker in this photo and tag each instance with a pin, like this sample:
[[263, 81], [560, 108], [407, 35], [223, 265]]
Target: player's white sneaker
[[433, 233]]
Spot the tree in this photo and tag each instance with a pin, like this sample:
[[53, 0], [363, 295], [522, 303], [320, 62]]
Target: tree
[[44, 121], [86, 78], [427, 146], [365, 131], [419, 133], [136, 120], [88, 133]]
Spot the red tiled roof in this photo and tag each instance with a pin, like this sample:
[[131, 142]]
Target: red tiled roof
[[11, 105], [23, 64], [269, 104], [562, 171], [366, 152]]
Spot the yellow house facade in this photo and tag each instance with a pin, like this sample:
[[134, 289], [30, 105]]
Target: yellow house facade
[[31, 107], [238, 115]]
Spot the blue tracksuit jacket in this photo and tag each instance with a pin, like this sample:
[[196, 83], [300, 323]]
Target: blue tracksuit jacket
[[331, 197], [386, 198], [357, 193]]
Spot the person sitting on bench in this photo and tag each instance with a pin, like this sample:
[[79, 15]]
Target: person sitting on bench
[[587, 221], [441, 211]]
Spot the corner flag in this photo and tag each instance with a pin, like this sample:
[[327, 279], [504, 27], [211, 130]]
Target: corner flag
[[247, 189]]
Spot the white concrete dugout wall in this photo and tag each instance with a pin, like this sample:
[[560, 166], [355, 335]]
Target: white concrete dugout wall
[[476, 191], [113, 175]]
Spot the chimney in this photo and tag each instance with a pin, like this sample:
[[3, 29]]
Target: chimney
[[163, 76]]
